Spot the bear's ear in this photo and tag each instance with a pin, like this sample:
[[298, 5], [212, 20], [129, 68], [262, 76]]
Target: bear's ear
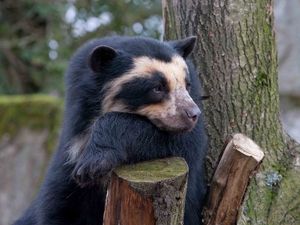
[[185, 46], [101, 56]]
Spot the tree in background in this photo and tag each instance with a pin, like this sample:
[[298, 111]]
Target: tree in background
[[37, 38], [237, 57]]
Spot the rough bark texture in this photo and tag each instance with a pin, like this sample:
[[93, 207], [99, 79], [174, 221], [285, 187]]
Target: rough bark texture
[[237, 58], [148, 193], [238, 164]]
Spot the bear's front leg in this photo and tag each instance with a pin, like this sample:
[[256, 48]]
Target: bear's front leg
[[115, 139], [100, 152], [112, 140], [94, 163]]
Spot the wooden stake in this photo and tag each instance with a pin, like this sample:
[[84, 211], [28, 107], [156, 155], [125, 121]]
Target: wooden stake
[[147, 193], [238, 164]]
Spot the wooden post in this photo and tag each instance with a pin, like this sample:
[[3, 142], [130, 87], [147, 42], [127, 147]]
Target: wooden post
[[239, 162], [147, 193]]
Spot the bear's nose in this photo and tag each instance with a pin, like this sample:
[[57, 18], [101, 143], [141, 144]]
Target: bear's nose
[[193, 113]]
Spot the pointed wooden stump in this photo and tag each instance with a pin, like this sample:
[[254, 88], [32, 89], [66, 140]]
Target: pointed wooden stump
[[147, 193], [238, 164]]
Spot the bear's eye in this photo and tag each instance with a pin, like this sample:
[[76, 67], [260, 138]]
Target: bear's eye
[[158, 89], [188, 85]]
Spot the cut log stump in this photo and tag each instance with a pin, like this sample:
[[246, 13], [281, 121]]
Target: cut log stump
[[238, 164], [147, 193]]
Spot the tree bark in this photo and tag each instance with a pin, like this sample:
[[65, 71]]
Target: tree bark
[[147, 193], [237, 58]]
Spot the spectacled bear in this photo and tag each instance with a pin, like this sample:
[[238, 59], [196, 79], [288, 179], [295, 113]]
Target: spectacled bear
[[128, 99]]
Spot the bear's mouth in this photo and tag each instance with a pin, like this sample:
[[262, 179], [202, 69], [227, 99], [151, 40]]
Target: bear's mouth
[[174, 124]]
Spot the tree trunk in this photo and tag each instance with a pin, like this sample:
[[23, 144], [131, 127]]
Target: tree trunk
[[237, 58]]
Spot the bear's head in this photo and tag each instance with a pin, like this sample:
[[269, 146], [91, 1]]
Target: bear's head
[[148, 78]]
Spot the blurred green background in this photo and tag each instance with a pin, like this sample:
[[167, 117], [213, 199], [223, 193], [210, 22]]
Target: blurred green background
[[37, 38]]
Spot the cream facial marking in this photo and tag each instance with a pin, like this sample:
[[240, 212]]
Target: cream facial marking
[[174, 72]]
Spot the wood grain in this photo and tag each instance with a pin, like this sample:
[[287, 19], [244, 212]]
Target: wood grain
[[238, 163], [147, 193]]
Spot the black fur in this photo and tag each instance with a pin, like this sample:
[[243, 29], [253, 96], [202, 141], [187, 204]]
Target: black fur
[[140, 91], [66, 196]]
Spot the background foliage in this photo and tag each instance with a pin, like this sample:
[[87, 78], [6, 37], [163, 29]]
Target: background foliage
[[37, 38]]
